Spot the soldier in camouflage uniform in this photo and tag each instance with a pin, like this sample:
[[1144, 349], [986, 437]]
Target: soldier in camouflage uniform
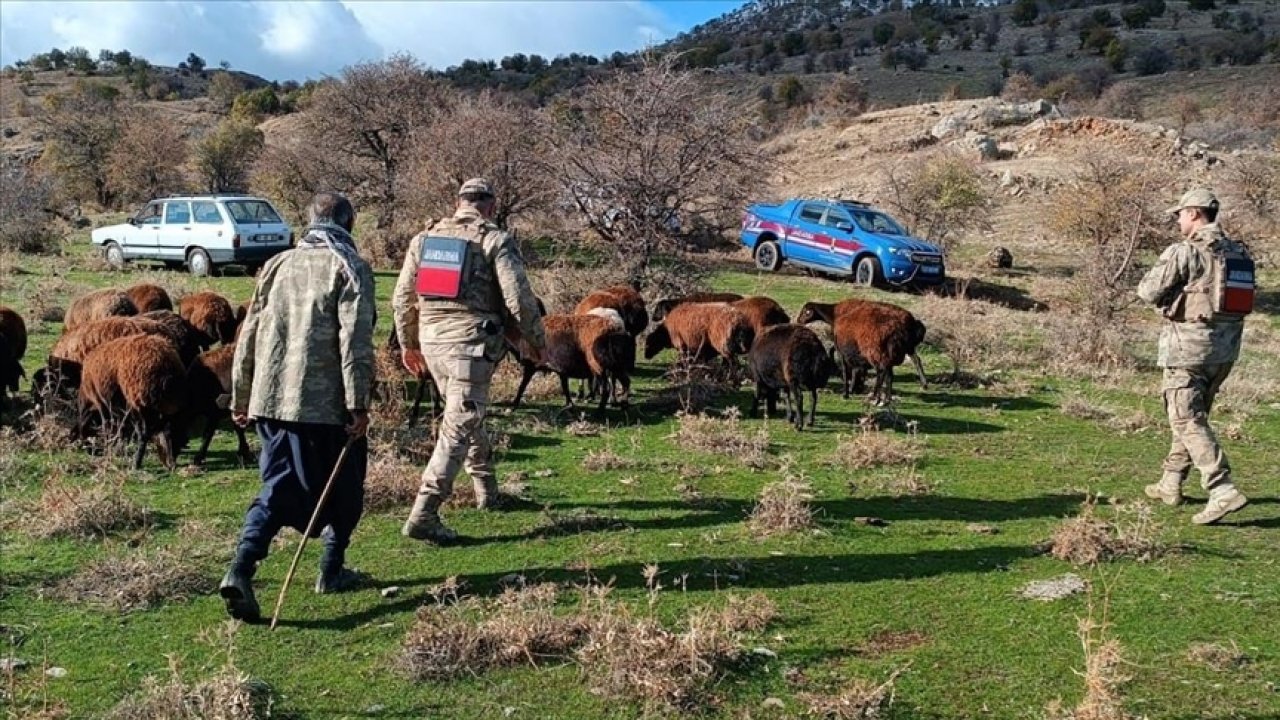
[[462, 282], [302, 369], [1197, 351]]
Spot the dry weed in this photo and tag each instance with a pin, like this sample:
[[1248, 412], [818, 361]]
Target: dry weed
[[723, 436], [858, 700], [136, 582], [1081, 408], [872, 448], [905, 483], [1088, 539], [1104, 658], [575, 522], [390, 483], [784, 506], [1218, 657], [604, 459], [90, 511]]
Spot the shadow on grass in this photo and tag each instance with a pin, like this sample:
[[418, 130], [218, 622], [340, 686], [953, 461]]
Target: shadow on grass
[[713, 574], [950, 399], [925, 424]]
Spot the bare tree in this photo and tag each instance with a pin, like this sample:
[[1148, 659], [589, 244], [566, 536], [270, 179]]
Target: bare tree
[[478, 136], [367, 119], [222, 158], [148, 159], [26, 199], [646, 157], [80, 128]]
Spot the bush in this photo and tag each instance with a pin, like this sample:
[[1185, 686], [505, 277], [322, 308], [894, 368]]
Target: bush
[[939, 196], [1152, 60], [223, 157], [1024, 13], [1122, 100], [253, 104], [24, 209], [1020, 88], [1135, 16]]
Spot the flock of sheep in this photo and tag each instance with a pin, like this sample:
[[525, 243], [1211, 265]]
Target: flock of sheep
[[127, 362]]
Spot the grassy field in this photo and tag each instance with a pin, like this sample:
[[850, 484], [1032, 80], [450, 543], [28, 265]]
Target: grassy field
[[926, 594]]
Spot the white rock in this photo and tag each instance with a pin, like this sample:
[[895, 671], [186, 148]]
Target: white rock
[[56, 672], [1054, 589], [390, 592]]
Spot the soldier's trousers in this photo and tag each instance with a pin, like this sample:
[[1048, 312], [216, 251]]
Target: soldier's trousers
[[1188, 396], [463, 382]]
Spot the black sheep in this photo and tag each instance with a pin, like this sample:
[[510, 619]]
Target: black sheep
[[790, 358]]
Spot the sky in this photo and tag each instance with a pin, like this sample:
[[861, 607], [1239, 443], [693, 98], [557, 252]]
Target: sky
[[292, 40]]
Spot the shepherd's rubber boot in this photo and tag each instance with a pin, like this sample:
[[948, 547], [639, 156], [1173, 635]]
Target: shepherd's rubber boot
[[236, 590], [333, 577], [1168, 490], [424, 522]]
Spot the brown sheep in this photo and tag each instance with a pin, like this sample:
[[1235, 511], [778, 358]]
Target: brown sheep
[[664, 306], [209, 395], [97, 305], [13, 346], [588, 347], [872, 334], [140, 379], [147, 298], [790, 358], [628, 303], [762, 312], [701, 331], [212, 315]]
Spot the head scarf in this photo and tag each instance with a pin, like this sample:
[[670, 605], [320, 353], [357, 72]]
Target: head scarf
[[338, 241]]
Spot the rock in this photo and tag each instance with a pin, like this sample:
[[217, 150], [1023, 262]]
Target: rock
[[56, 672], [949, 126], [390, 592], [1006, 180], [986, 146], [774, 703], [10, 132], [1054, 589], [870, 521], [546, 473], [8, 665], [978, 527]]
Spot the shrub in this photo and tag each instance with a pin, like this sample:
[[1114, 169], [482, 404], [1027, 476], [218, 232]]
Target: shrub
[[1135, 16], [222, 158], [146, 162], [939, 196], [1020, 88], [1152, 60], [25, 204], [1122, 100]]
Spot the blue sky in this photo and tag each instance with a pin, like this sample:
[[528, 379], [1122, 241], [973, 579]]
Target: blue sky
[[285, 39]]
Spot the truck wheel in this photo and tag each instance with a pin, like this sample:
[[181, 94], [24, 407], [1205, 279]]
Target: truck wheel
[[767, 256], [198, 262], [114, 256], [867, 272]]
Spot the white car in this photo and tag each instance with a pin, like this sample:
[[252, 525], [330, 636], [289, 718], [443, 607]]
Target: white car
[[199, 231]]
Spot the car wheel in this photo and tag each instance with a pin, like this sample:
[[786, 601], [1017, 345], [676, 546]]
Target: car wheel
[[767, 256], [198, 262], [114, 256], [867, 272]]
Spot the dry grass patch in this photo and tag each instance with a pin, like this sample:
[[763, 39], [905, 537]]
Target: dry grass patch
[[872, 447], [1102, 674], [908, 482], [1081, 408], [785, 506], [137, 581], [605, 459], [723, 435], [858, 700], [575, 522], [91, 511], [889, 641], [390, 483], [1218, 657], [1088, 539]]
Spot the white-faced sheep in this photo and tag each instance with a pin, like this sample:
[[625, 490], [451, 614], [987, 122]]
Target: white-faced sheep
[[148, 298], [13, 346], [625, 300], [664, 306], [208, 396], [587, 347], [97, 305], [791, 359], [701, 331], [141, 380], [870, 334], [212, 315]]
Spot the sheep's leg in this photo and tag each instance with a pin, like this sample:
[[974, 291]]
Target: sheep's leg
[[243, 452], [143, 436], [799, 404], [786, 397], [210, 426], [915, 360], [164, 446], [846, 374], [624, 397], [887, 388], [771, 398], [564, 388], [813, 405], [755, 400], [528, 370]]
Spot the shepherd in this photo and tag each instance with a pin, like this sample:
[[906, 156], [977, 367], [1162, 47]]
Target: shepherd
[[302, 371]]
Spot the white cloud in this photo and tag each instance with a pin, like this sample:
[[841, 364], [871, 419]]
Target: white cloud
[[281, 40]]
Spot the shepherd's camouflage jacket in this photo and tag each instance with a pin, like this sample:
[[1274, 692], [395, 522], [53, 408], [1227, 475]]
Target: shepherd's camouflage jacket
[[495, 292], [1191, 344], [305, 352]]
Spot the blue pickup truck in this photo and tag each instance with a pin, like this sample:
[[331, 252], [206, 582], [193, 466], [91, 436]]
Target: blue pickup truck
[[840, 237]]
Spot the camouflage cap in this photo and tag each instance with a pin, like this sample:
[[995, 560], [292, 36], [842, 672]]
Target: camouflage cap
[[1197, 198], [476, 186]]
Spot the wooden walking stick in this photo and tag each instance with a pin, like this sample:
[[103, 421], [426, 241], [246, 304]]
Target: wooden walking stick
[[315, 517]]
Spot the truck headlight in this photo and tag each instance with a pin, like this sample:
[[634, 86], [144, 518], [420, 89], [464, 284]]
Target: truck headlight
[[902, 252]]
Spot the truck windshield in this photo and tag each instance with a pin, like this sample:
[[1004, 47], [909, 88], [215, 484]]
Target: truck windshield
[[251, 211], [874, 222]]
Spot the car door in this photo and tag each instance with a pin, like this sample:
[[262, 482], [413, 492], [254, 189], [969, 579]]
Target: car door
[[802, 243], [208, 225], [175, 233], [144, 240], [837, 229]]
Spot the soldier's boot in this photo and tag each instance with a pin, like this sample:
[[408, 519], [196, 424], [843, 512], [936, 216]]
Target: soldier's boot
[[424, 522], [333, 576], [1168, 490], [1220, 505], [236, 590]]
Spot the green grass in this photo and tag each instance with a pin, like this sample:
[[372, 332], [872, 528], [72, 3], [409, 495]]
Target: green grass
[[1009, 460]]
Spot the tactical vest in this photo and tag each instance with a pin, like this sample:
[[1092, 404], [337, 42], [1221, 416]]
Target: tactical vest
[[1225, 290], [453, 270]]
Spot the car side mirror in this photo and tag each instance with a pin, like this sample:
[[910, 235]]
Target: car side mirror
[[134, 221], [844, 227]]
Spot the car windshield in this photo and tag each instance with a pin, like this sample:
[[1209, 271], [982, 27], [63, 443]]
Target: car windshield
[[875, 222], [251, 211]]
